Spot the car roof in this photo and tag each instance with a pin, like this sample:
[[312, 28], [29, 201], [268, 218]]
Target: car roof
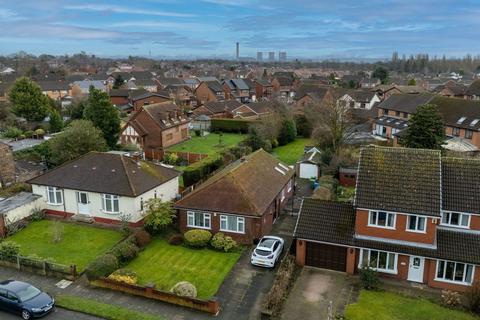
[[13, 285], [267, 243]]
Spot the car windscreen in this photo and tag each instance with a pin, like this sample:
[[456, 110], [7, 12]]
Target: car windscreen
[[261, 252], [27, 292]]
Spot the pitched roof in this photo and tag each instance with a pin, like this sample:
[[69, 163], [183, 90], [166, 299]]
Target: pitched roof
[[165, 115], [263, 82], [316, 92], [260, 107], [247, 186], [215, 86], [284, 81], [362, 95], [474, 89], [150, 94], [461, 184], [459, 112], [107, 173], [53, 85], [406, 102], [222, 106], [399, 180]]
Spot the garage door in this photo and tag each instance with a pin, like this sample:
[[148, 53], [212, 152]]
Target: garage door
[[326, 256], [308, 171]]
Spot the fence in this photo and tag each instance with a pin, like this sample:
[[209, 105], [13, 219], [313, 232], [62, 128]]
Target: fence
[[43, 267], [187, 156], [211, 306]]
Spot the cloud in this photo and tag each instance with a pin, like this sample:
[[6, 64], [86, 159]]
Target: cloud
[[121, 9], [162, 24], [9, 15]]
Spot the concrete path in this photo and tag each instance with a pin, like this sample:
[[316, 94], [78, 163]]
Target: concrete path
[[314, 291]]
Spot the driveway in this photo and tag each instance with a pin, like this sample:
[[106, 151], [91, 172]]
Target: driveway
[[58, 314], [315, 291]]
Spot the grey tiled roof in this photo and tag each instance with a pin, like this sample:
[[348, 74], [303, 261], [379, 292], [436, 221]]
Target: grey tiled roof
[[406, 102], [399, 180]]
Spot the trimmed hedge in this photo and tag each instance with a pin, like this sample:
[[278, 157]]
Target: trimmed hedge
[[102, 266], [197, 238], [230, 125], [201, 169]]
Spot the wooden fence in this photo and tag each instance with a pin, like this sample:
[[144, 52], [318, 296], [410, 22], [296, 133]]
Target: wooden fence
[[189, 157], [43, 267], [211, 306]]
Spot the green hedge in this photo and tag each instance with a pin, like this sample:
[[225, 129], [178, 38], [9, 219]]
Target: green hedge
[[201, 169], [230, 125]]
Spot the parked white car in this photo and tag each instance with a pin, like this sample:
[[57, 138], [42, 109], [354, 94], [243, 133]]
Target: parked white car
[[267, 252]]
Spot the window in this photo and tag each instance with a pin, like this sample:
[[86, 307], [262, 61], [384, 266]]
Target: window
[[198, 220], [289, 185], [456, 219], [232, 224], [111, 203], [169, 136], [141, 204], [454, 272], [54, 195], [385, 111], [416, 224], [405, 115], [381, 219], [456, 132], [468, 134], [397, 113], [379, 260]]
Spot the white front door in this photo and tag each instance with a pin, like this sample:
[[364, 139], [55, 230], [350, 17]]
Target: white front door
[[415, 269], [83, 203]]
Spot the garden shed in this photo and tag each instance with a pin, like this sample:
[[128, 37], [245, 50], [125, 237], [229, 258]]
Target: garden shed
[[18, 207]]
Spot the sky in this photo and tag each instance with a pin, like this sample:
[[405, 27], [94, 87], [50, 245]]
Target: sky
[[339, 29]]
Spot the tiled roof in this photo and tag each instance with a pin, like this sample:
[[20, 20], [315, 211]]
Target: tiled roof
[[474, 88], [459, 112], [461, 184], [247, 186], [222, 106], [107, 173], [399, 180], [406, 102], [215, 86], [458, 245]]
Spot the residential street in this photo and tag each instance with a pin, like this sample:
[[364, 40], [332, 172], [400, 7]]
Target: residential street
[[58, 314]]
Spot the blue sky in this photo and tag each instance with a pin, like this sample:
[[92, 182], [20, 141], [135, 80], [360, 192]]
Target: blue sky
[[208, 28]]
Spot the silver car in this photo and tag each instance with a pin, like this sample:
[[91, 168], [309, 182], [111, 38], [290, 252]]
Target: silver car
[[267, 252]]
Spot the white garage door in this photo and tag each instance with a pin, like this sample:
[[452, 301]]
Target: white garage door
[[308, 170]]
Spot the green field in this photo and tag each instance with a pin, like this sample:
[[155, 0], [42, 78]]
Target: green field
[[78, 244], [381, 305], [293, 151], [165, 265], [209, 144]]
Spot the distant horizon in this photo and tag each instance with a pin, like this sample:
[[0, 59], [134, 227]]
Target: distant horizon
[[209, 29]]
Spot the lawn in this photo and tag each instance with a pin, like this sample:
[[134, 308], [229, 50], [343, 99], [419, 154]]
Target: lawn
[[391, 306], [78, 244], [209, 144], [293, 151], [165, 265]]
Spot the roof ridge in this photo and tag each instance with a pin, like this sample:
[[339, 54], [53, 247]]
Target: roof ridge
[[128, 175]]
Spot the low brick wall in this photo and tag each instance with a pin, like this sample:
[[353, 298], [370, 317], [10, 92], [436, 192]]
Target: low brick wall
[[210, 306], [43, 268]]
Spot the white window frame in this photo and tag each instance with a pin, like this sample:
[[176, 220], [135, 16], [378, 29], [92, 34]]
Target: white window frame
[[461, 214], [463, 282], [376, 225], [240, 222], [391, 271], [289, 185], [110, 198], [57, 196], [416, 230], [205, 217]]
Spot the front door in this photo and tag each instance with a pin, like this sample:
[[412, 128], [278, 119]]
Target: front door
[[415, 269], [83, 203]]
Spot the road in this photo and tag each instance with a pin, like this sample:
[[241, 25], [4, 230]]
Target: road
[[58, 314]]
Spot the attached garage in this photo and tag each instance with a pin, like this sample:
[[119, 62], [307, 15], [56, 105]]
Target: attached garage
[[326, 256]]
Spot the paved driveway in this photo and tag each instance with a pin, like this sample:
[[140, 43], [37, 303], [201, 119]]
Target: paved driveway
[[314, 291], [58, 314]]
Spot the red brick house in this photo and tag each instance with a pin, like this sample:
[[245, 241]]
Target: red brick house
[[147, 98], [415, 217], [209, 91], [243, 200], [156, 127], [263, 89]]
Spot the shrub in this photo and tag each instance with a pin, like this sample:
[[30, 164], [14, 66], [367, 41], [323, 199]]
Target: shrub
[[198, 132], [39, 132], [197, 238], [369, 278], [171, 158], [176, 239], [36, 214], [288, 132], [473, 298], [142, 238], [124, 275], [12, 133], [9, 250], [222, 242], [159, 215], [450, 299], [283, 282], [230, 125], [102, 266], [184, 289], [125, 251], [201, 169], [28, 133]]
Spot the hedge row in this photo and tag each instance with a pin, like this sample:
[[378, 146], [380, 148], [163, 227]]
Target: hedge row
[[201, 169], [230, 125]]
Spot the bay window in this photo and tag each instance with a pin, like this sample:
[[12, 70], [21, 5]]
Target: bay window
[[54, 196], [232, 224], [381, 219], [416, 223], [198, 220], [110, 203], [450, 271], [456, 219], [379, 260]]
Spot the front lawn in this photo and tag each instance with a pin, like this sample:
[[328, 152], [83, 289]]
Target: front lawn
[[78, 244], [390, 306], [292, 152], [209, 144], [165, 265]]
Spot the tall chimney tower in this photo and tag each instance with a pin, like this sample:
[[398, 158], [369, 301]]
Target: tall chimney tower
[[238, 51]]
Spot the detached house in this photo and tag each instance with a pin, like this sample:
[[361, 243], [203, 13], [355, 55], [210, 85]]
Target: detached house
[[105, 187], [243, 200], [415, 217], [155, 127], [473, 91], [359, 99], [263, 89], [237, 89], [209, 91]]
